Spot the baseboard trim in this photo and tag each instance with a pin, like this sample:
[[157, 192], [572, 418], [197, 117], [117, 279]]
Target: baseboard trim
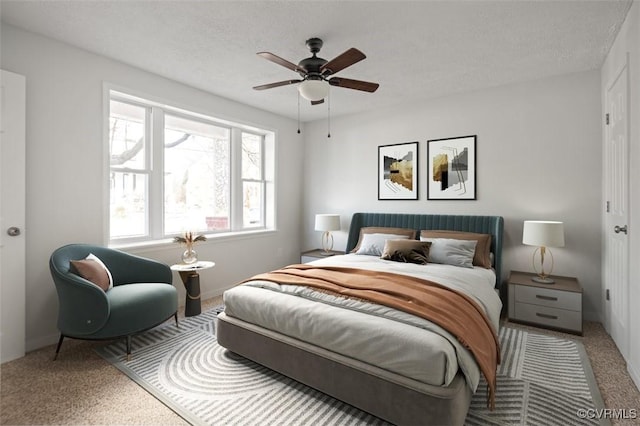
[[635, 375], [41, 342], [591, 316], [212, 293]]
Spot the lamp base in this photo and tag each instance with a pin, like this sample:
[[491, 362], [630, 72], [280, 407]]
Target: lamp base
[[541, 276], [543, 280], [326, 253], [327, 243]]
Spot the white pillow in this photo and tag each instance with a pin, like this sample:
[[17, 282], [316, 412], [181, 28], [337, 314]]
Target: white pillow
[[373, 244], [92, 256], [451, 252]]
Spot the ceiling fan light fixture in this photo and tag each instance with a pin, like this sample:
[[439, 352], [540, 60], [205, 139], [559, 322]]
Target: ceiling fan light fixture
[[314, 90]]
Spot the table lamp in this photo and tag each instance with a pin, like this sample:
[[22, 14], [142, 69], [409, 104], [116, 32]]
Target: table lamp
[[327, 223], [543, 234]]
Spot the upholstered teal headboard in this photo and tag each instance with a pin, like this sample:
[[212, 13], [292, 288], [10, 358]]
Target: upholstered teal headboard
[[482, 224]]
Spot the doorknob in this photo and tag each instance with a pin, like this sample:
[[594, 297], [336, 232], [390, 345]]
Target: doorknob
[[14, 231], [618, 229]]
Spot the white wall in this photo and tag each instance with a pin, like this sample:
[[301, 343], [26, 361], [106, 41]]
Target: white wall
[[65, 165], [628, 42], [538, 157]]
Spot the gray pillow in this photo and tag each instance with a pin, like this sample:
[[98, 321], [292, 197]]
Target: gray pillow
[[451, 252], [373, 244]]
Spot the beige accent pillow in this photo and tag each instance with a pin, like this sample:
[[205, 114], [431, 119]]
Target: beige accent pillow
[[407, 251], [373, 244], [92, 256], [409, 233], [482, 255], [92, 271]]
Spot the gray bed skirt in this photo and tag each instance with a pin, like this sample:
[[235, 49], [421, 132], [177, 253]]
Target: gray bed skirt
[[391, 397]]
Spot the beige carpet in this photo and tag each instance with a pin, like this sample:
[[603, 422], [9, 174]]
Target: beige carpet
[[82, 388]]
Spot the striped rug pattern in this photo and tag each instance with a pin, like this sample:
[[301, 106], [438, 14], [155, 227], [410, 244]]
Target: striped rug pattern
[[542, 380]]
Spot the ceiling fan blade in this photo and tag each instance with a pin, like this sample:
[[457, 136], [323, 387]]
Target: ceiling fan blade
[[278, 60], [321, 101], [278, 84], [342, 61], [347, 83]]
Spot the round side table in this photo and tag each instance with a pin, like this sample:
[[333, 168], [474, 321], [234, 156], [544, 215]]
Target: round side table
[[191, 280]]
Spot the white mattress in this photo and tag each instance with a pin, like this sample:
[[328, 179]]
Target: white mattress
[[393, 340]]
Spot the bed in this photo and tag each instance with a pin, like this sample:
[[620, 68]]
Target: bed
[[348, 348]]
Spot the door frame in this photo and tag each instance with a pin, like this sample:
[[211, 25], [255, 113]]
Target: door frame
[[12, 214], [623, 346]]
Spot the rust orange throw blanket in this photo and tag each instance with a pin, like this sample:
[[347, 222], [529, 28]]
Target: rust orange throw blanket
[[452, 310]]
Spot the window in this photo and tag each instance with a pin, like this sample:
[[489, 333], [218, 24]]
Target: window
[[130, 170], [173, 171], [252, 180], [197, 161]]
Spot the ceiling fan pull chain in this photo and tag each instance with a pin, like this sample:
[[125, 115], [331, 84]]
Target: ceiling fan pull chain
[[329, 114], [298, 111]]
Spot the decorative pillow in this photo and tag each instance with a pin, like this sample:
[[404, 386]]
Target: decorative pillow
[[409, 233], [92, 256], [482, 256], [373, 244], [451, 252], [407, 251], [92, 271]]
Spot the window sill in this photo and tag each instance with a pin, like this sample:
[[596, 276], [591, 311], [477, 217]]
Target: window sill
[[168, 243]]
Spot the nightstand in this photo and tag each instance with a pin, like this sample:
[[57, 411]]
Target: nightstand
[[556, 306], [311, 255]]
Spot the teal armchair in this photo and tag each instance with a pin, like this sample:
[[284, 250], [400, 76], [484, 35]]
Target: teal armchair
[[142, 296]]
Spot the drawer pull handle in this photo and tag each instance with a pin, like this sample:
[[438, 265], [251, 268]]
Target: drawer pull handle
[[546, 316], [546, 297]]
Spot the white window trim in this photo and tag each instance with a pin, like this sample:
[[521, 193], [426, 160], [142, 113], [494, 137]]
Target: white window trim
[[238, 126], [263, 179]]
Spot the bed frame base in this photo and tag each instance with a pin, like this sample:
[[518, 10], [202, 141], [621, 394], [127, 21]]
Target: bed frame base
[[369, 392]]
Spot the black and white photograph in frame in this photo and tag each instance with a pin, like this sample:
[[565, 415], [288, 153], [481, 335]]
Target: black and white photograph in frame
[[451, 171], [398, 171]]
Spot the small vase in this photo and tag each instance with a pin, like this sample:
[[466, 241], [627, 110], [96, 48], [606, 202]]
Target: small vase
[[189, 256]]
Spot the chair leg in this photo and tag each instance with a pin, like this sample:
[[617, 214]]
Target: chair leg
[[176, 317], [58, 348], [129, 347]]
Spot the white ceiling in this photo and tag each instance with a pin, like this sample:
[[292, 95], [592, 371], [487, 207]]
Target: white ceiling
[[415, 50]]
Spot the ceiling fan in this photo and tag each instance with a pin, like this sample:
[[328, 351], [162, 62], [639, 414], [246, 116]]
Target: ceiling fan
[[316, 73]]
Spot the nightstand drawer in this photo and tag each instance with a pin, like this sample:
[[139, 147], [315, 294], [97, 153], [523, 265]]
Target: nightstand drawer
[[558, 318], [307, 259], [549, 297]]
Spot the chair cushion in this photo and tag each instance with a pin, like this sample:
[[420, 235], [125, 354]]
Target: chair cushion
[[138, 307]]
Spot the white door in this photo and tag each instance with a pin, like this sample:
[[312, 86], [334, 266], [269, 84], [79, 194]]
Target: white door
[[12, 216], [616, 267]]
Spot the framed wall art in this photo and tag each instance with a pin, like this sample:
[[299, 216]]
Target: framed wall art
[[398, 171], [451, 173]]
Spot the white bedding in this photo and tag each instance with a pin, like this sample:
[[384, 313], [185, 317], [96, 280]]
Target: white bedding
[[396, 341]]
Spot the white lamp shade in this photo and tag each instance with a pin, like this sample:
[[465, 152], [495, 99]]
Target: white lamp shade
[[543, 233], [314, 90], [327, 222]]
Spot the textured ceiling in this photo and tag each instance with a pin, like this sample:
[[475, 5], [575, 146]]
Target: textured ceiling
[[415, 50]]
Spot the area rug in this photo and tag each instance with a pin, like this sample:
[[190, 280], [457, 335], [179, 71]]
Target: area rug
[[541, 380]]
